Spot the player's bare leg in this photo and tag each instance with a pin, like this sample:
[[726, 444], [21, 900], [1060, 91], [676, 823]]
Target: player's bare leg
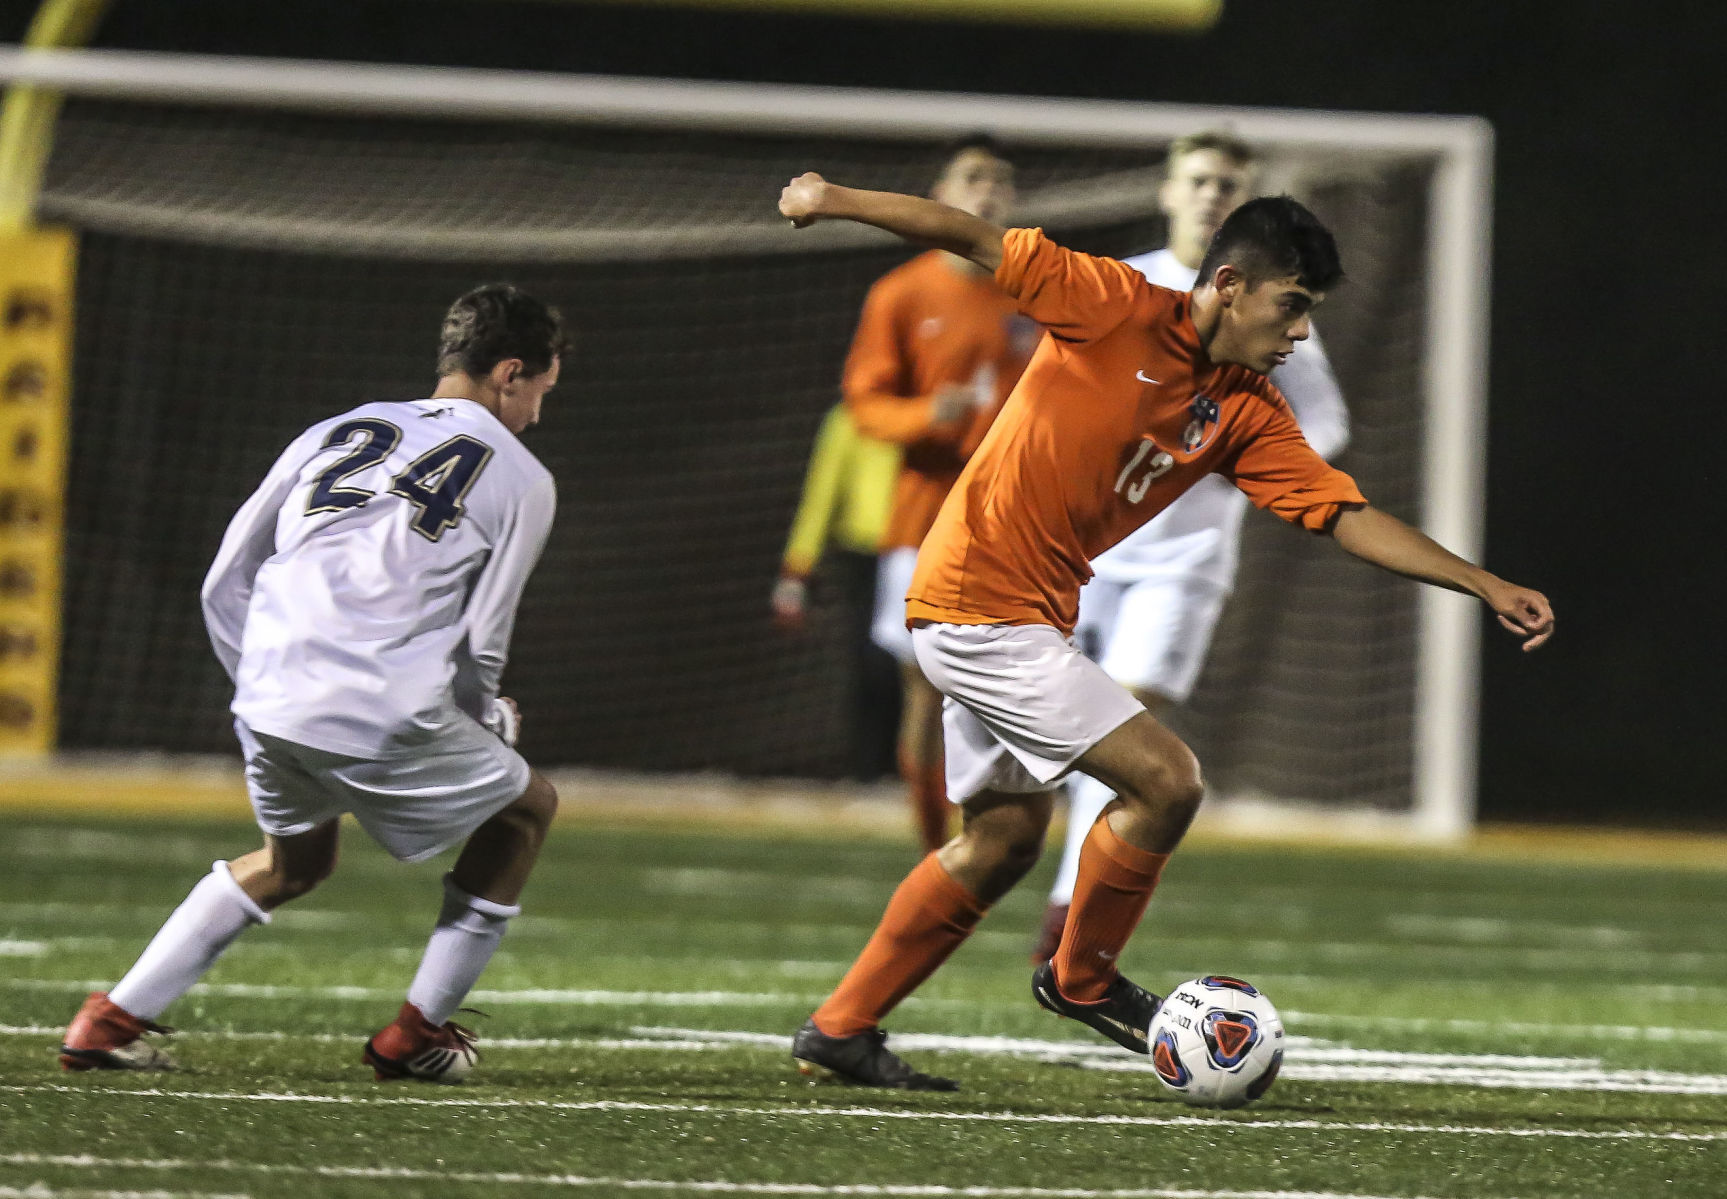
[[1154, 775], [480, 895], [499, 856], [1000, 840], [920, 756], [1158, 789], [287, 867], [108, 1031], [1086, 800], [930, 915]]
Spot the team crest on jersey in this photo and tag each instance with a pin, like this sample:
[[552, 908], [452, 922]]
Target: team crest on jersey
[[1201, 424]]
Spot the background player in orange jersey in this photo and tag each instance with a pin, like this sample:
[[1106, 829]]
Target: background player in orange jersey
[[1135, 394], [937, 349]]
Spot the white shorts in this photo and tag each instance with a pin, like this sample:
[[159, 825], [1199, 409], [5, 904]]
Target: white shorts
[[1151, 635], [893, 573], [1022, 704], [414, 807]]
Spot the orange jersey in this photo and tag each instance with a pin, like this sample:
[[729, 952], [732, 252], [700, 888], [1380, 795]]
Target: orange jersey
[[1119, 413], [926, 325]]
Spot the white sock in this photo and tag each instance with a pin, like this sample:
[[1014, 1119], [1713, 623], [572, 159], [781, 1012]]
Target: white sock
[[1086, 797], [469, 929], [188, 943]]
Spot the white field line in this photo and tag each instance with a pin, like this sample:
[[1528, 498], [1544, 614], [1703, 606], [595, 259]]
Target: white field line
[[1307, 1063], [1299, 1049], [1481, 930], [1600, 952], [39, 1190], [654, 1184], [1211, 1123], [1503, 1028], [331, 1038], [1497, 1029], [530, 995], [656, 1037], [1325, 1065]]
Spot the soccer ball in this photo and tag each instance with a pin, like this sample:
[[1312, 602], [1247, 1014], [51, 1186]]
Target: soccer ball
[[1216, 1042]]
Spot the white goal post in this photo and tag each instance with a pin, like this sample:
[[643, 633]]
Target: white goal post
[[1455, 299]]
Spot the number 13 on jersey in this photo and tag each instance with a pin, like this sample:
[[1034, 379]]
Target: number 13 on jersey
[[1144, 467]]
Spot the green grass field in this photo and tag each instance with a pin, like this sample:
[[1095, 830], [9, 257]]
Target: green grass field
[[1461, 1027]]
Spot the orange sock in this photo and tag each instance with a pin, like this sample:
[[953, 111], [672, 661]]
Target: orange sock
[[1115, 883], [926, 786], [926, 920]]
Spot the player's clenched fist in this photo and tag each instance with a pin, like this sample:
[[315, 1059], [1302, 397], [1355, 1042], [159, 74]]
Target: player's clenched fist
[[801, 198]]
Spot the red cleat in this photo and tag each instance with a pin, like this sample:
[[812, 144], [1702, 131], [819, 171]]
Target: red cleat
[[412, 1047], [103, 1036], [1049, 936]]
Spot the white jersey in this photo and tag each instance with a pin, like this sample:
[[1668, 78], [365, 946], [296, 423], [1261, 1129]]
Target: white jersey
[[363, 597], [1199, 535]]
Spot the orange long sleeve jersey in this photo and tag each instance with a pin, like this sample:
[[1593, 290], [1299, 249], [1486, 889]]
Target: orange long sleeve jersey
[[926, 325], [1119, 413]]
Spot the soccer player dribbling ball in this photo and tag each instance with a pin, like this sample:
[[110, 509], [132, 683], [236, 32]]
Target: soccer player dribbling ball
[[1134, 394], [1149, 611], [362, 602]]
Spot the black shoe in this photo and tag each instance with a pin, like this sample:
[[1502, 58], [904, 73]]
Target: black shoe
[[862, 1061], [1123, 1014]]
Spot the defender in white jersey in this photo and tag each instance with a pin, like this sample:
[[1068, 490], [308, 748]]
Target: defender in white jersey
[[1149, 611], [362, 602]]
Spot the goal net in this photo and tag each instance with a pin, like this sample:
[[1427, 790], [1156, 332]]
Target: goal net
[[265, 244]]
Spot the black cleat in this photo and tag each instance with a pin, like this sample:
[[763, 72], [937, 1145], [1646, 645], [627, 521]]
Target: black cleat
[[862, 1061], [1123, 1014]]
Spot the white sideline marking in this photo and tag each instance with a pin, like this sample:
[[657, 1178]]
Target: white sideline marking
[[1476, 930], [40, 1190], [1496, 1028], [1599, 1032], [23, 949], [90, 1094], [531, 995], [1302, 1049], [1306, 1061], [708, 881], [654, 1184], [332, 1038], [1313, 1064]]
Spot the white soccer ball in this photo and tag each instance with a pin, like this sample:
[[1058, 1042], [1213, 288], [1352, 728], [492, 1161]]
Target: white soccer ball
[[1216, 1042]]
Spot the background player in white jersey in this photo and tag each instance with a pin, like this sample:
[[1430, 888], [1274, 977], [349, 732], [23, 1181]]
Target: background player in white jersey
[[1148, 614], [362, 601]]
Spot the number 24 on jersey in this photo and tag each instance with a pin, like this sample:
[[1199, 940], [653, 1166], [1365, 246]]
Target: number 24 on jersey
[[435, 483]]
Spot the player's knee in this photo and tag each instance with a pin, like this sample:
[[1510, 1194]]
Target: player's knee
[[533, 811], [1170, 781]]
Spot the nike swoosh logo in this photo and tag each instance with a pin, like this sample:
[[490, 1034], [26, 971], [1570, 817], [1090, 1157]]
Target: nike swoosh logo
[[1130, 1030], [1141, 376]]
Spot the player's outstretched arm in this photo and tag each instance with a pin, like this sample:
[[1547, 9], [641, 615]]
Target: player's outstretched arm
[[1382, 539], [810, 198]]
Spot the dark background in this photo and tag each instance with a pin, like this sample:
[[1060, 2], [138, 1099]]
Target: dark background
[[1607, 316]]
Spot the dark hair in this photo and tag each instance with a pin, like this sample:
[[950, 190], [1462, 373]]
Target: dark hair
[[495, 322], [1272, 237], [959, 145]]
